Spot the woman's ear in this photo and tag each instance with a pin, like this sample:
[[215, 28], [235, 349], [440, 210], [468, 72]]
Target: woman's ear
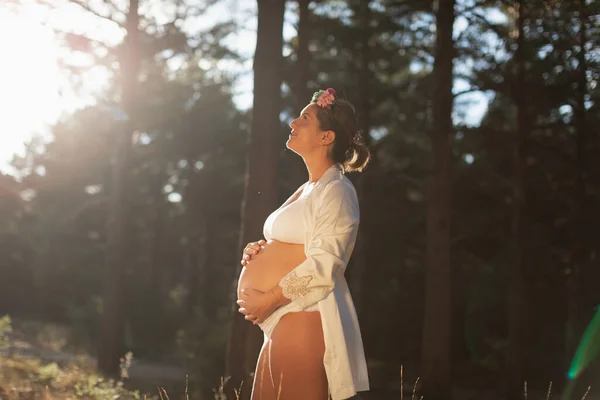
[[327, 137]]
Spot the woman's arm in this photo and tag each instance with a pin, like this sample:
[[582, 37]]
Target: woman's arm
[[328, 252]]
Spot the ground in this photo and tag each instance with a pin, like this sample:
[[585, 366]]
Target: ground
[[39, 364]]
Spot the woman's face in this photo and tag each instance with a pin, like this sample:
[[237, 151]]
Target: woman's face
[[306, 136]]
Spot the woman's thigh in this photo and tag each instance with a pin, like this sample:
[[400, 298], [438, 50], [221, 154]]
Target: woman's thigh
[[296, 357]]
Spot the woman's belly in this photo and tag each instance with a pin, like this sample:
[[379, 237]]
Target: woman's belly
[[273, 262]]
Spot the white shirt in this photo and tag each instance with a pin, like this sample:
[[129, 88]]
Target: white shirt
[[331, 217]]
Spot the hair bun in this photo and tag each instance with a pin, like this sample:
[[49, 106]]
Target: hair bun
[[359, 155]]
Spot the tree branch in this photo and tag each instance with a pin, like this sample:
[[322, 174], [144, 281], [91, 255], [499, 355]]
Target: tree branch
[[471, 90], [113, 7], [89, 9], [464, 9], [496, 28]]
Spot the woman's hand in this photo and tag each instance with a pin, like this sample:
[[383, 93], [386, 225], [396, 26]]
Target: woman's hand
[[251, 250], [257, 305]]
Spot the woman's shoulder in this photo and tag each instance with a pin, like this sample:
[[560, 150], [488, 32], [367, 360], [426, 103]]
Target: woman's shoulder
[[338, 186]]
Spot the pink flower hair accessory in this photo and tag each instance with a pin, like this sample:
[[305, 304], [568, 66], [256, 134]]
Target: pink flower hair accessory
[[324, 98]]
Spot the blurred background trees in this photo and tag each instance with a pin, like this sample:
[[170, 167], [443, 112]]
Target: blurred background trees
[[124, 220]]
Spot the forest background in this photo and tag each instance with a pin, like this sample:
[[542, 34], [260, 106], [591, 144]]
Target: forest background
[[124, 215]]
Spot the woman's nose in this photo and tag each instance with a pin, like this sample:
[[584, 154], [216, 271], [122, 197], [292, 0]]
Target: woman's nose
[[292, 124]]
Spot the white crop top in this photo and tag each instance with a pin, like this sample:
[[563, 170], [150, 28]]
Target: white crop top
[[286, 224]]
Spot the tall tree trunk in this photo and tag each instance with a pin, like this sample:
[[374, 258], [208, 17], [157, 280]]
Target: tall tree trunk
[[302, 93], [574, 327], [197, 232], [155, 299], [517, 285], [158, 236], [204, 215], [359, 265], [365, 74], [435, 361], [112, 340], [303, 54], [260, 195]]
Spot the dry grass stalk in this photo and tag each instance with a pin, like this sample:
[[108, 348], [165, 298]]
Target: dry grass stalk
[[414, 393], [586, 393], [262, 375], [187, 396], [402, 382], [238, 392], [280, 386], [46, 394], [165, 392], [549, 391]]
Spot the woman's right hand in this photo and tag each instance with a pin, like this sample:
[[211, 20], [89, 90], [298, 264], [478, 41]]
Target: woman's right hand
[[251, 249]]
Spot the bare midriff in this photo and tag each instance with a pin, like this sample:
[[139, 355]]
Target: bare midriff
[[274, 261]]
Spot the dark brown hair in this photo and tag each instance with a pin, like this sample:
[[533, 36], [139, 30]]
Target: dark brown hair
[[349, 149]]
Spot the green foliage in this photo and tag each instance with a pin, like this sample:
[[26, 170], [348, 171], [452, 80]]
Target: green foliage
[[32, 376], [49, 372], [5, 329], [103, 389]]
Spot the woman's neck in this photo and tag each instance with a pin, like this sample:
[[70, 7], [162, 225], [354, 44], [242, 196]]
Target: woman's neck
[[316, 168]]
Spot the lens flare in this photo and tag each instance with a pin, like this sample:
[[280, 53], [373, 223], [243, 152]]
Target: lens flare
[[588, 349]]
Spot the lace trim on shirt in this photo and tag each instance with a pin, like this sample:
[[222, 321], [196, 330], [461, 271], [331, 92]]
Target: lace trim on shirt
[[294, 286]]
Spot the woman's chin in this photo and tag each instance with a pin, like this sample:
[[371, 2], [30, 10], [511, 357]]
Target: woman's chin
[[290, 145]]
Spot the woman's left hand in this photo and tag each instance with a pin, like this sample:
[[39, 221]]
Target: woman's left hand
[[257, 305]]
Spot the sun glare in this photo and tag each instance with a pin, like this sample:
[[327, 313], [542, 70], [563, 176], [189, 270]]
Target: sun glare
[[29, 79], [33, 90]]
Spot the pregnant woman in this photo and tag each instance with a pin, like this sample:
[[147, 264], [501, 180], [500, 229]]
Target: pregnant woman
[[293, 285]]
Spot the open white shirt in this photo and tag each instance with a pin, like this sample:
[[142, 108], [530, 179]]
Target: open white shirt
[[331, 217]]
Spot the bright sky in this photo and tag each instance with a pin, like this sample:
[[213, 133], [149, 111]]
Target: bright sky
[[29, 98], [34, 94], [33, 91]]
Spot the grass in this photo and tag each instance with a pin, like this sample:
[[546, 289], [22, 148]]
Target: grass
[[29, 378], [32, 378]]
